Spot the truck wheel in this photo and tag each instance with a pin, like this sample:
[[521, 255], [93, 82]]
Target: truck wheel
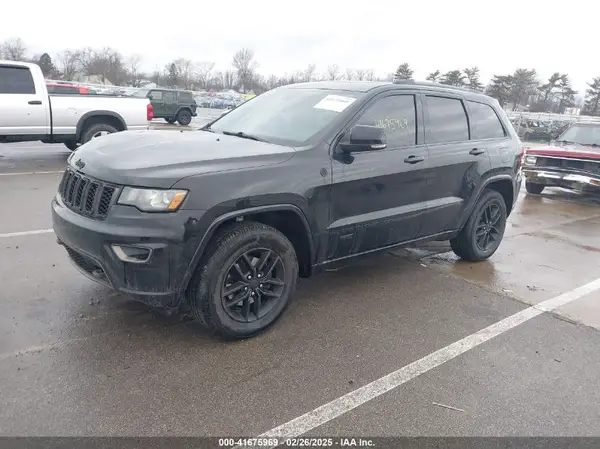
[[483, 232], [536, 189], [71, 145], [245, 280], [184, 117], [97, 130]]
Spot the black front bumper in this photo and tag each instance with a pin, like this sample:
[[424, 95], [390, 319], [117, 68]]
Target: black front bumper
[[160, 280]]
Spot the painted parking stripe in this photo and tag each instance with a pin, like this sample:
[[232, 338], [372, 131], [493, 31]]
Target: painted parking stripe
[[350, 401], [19, 234]]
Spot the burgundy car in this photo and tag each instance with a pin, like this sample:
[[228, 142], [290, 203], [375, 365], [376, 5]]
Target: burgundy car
[[572, 161]]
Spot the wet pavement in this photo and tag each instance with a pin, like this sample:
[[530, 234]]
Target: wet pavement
[[77, 359]]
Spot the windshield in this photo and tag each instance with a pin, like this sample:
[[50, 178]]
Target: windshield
[[582, 134], [141, 93], [286, 116]]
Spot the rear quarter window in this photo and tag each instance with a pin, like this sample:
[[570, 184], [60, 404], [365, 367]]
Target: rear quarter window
[[185, 97], [485, 123], [16, 80]]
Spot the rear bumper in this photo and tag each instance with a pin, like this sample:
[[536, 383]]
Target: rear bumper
[[93, 247], [561, 178]]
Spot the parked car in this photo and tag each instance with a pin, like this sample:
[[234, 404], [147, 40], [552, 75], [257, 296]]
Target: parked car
[[170, 104], [29, 113], [222, 221], [572, 161]]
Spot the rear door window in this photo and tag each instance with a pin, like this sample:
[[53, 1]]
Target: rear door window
[[447, 120], [16, 80], [168, 97], [485, 123]]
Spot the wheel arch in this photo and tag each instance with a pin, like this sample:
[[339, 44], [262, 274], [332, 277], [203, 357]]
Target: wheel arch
[[288, 219], [503, 184], [90, 118]]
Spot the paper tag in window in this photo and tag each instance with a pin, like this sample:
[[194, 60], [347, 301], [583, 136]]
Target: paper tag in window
[[335, 103]]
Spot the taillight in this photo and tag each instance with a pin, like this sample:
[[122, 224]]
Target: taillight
[[84, 90], [149, 112]]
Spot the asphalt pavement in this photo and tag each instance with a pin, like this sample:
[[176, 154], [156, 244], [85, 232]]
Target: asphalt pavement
[[408, 343]]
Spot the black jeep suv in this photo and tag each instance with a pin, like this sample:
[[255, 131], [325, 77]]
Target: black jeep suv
[[223, 221]]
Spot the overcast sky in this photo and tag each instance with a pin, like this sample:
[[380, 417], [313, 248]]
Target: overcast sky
[[497, 36]]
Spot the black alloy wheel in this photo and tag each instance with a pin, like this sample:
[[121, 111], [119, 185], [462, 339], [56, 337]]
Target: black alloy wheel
[[253, 284], [482, 234], [486, 231]]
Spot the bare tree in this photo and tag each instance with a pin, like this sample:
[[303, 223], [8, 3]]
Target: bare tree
[[228, 79], [68, 61], [134, 71], [349, 74], [244, 63], [203, 73], [309, 72], [13, 49], [360, 74], [369, 75], [333, 72]]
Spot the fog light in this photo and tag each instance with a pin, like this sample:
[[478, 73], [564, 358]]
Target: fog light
[[132, 254]]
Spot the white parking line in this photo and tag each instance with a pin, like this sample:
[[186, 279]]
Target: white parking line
[[19, 234], [344, 404], [31, 173]]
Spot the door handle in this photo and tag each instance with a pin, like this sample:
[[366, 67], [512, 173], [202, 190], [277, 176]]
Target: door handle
[[477, 151], [35, 102], [414, 159]]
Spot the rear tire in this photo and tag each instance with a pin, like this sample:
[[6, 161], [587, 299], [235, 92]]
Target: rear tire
[[488, 218], [97, 130], [184, 117], [227, 263], [534, 188]]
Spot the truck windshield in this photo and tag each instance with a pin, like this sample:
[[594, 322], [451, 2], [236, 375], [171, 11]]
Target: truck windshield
[[286, 116], [582, 134]]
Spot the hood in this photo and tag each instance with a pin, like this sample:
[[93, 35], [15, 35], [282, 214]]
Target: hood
[[161, 158], [574, 151]]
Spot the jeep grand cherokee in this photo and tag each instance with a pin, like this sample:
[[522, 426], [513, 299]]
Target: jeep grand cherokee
[[223, 221]]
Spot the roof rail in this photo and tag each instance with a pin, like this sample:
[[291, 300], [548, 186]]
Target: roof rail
[[438, 85]]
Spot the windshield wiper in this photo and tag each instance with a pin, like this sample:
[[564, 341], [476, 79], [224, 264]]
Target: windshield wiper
[[565, 141], [243, 135]]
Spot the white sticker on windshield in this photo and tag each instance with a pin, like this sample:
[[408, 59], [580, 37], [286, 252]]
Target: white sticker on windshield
[[335, 103]]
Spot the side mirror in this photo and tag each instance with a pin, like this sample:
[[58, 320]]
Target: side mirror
[[365, 138]]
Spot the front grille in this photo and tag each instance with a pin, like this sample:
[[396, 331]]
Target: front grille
[[579, 165], [86, 196]]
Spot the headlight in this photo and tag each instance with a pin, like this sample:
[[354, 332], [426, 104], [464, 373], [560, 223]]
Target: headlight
[[152, 200], [530, 160]]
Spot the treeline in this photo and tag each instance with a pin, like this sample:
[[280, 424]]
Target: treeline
[[521, 90]]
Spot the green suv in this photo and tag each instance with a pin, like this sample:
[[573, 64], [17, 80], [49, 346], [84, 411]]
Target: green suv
[[170, 104]]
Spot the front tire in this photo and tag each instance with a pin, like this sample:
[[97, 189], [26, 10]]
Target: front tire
[[97, 130], [184, 117], [483, 232], [245, 280], [536, 189]]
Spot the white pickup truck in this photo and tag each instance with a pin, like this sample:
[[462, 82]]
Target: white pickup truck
[[29, 113]]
